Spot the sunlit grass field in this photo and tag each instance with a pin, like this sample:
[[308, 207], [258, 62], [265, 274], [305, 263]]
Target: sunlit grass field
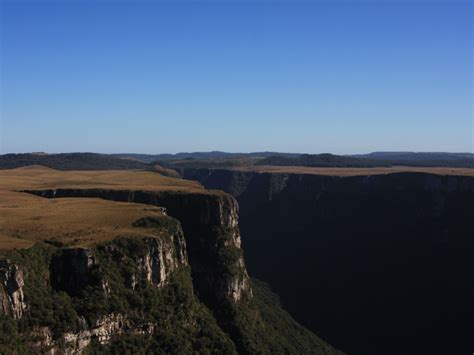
[[26, 219]]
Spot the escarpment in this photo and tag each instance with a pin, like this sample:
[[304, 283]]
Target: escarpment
[[210, 225], [373, 263], [120, 268]]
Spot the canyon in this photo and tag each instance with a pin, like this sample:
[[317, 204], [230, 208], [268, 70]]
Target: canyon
[[115, 261], [373, 260]]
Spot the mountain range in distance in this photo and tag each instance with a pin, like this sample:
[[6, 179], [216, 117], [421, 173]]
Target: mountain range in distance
[[218, 159]]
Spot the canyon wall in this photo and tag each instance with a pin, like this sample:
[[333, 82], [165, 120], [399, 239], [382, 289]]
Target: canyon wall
[[374, 264], [210, 225]]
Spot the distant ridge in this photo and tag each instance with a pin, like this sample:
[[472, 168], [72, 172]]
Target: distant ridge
[[70, 161], [200, 155], [218, 159]]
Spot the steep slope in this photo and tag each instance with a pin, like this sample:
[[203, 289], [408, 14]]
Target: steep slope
[[157, 269], [375, 263]]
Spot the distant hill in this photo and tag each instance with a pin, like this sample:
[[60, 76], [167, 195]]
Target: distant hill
[[323, 160], [375, 159], [210, 163], [200, 155], [70, 161], [431, 159]]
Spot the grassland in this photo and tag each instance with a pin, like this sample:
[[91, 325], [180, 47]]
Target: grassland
[[39, 177], [26, 219]]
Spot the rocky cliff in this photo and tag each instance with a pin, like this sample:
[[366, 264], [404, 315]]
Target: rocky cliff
[[12, 300], [182, 288], [75, 297], [375, 264], [210, 225]]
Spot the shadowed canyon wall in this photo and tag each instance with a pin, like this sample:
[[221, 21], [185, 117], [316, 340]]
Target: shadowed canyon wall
[[380, 264]]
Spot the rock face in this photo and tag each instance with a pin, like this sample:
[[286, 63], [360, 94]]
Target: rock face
[[73, 269], [210, 225], [375, 264], [162, 258], [150, 259], [105, 329], [11, 292]]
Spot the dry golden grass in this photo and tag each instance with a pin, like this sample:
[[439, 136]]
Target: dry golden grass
[[39, 177], [26, 219], [357, 171]]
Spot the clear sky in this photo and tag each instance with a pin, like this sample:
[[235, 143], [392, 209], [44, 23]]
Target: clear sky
[[298, 76]]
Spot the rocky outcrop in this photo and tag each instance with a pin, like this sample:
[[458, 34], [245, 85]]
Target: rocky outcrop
[[12, 300], [105, 330], [161, 257], [73, 269]]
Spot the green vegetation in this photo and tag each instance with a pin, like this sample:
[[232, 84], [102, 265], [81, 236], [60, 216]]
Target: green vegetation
[[261, 326], [169, 224], [11, 342], [181, 323], [46, 308], [227, 256], [281, 333]]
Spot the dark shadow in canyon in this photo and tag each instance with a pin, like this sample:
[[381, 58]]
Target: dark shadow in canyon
[[374, 264]]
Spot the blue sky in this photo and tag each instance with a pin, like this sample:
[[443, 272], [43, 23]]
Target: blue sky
[[296, 76]]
